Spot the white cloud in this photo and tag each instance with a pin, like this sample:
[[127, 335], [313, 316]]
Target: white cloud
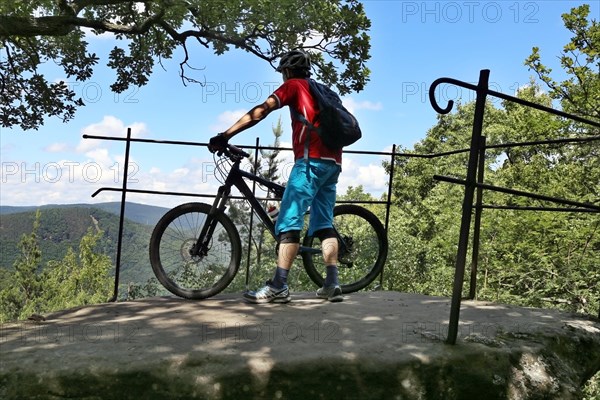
[[109, 126], [353, 105], [159, 186], [73, 180], [113, 126], [61, 182], [138, 129], [372, 177], [86, 145], [226, 119], [181, 172], [100, 156]]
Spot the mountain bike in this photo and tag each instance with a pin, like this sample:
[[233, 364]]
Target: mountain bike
[[195, 248]]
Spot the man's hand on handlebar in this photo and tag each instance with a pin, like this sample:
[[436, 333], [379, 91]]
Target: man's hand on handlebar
[[217, 143]]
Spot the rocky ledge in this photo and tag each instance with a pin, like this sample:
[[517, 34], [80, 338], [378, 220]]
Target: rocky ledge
[[376, 345]]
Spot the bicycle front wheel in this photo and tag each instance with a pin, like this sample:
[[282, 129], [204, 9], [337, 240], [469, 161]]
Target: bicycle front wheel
[[362, 249], [177, 269]]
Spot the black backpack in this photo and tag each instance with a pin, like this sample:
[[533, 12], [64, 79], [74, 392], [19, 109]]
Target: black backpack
[[337, 126]]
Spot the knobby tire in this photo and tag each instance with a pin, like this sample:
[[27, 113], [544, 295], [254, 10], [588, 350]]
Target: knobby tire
[[187, 276], [364, 262]]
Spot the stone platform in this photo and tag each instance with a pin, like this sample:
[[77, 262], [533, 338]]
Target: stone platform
[[375, 345]]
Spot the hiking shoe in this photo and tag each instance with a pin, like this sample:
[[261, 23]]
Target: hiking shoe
[[331, 293], [268, 294]]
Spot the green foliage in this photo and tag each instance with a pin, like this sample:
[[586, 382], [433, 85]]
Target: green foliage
[[531, 258], [23, 295], [580, 59], [77, 279], [64, 227], [37, 32], [591, 390], [541, 259], [426, 213], [137, 290]]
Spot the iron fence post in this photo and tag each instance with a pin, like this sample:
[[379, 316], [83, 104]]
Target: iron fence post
[[248, 256], [477, 223], [122, 216], [388, 203], [459, 273]]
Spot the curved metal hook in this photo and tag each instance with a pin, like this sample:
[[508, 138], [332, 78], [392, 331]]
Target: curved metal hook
[[450, 104], [434, 102], [106, 188]]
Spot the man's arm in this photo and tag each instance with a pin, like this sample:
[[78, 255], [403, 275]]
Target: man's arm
[[252, 117]]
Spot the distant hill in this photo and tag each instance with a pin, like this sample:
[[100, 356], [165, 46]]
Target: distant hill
[[136, 212], [63, 226]]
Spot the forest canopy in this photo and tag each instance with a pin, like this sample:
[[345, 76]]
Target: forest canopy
[[146, 33]]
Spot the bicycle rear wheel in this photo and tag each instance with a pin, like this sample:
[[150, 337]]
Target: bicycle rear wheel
[[194, 276], [360, 258]]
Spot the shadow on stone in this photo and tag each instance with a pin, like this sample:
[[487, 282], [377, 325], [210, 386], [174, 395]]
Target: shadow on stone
[[373, 345]]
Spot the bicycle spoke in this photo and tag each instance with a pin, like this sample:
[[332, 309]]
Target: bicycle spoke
[[362, 250], [181, 271]]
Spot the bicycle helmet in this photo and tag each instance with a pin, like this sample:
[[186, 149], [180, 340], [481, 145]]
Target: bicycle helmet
[[295, 59]]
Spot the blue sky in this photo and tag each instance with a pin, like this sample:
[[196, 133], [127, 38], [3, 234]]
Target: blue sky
[[413, 44]]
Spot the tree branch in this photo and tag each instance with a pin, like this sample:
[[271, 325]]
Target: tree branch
[[61, 25], [116, 28], [41, 26], [53, 31], [206, 34], [79, 5]]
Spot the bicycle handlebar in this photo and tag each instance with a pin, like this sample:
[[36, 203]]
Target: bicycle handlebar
[[234, 153]]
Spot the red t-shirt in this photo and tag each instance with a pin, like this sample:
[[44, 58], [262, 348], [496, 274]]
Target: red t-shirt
[[295, 93]]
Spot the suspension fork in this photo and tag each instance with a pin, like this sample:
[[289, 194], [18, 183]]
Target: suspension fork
[[344, 247], [219, 205]]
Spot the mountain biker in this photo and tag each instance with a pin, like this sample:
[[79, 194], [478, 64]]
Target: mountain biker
[[312, 181]]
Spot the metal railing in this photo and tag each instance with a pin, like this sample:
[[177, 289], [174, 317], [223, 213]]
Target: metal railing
[[124, 189], [474, 180]]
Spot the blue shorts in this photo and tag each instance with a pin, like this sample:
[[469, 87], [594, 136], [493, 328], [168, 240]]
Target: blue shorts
[[310, 185]]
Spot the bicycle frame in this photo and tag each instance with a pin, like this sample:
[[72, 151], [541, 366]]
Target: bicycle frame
[[236, 177], [197, 273]]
